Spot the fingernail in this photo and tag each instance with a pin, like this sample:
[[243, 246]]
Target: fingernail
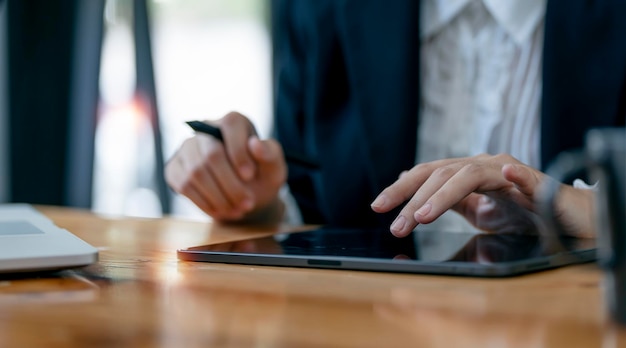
[[398, 224], [379, 202], [424, 210]]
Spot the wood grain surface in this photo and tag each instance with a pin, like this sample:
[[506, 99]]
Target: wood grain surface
[[140, 295]]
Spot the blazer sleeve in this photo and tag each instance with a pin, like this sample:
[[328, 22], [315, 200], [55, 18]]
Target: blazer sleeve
[[584, 72], [288, 64]]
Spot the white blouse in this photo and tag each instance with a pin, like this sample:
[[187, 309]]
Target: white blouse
[[481, 82], [481, 78]]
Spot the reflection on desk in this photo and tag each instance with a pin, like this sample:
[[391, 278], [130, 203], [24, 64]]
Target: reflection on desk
[[46, 288]]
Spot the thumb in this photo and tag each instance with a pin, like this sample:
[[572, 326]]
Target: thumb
[[523, 177]]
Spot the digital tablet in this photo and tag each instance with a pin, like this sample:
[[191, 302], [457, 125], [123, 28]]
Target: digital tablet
[[425, 252]]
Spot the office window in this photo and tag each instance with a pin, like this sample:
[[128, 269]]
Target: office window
[[210, 57]]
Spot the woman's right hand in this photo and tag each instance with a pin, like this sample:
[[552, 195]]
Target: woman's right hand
[[236, 180]]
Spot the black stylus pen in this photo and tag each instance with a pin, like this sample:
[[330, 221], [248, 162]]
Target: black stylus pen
[[290, 157]]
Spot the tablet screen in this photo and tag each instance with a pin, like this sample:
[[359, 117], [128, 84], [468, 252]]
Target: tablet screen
[[419, 252]]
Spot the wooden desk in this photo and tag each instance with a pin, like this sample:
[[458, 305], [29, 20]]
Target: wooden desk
[[140, 295]]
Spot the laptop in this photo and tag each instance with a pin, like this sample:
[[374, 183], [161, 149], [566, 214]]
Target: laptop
[[30, 242], [424, 252]]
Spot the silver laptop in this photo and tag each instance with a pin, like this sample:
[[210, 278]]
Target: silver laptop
[[31, 242]]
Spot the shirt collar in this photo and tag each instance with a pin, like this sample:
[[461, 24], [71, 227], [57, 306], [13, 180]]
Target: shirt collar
[[519, 18]]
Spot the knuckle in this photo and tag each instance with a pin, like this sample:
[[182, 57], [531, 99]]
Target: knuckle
[[215, 155], [503, 157], [420, 167], [170, 177], [238, 196], [472, 168], [232, 118], [239, 121], [443, 171], [185, 188], [237, 193], [177, 182], [239, 158], [195, 175], [187, 143]]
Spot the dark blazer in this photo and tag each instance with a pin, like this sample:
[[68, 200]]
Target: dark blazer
[[347, 92]]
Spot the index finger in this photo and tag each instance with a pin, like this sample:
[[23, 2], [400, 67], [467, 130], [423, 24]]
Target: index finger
[[406, 185]]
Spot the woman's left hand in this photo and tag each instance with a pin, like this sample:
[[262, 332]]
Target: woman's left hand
[[494, 193]]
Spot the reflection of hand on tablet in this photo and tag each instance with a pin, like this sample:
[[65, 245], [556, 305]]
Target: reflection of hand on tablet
[[490, 248], [263, 245], [401, 257]]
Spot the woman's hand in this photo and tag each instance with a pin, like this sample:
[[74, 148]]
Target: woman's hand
[[234, 180], [494, 193]]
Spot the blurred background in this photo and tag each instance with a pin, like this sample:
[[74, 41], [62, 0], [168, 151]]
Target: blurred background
[[94, 95]]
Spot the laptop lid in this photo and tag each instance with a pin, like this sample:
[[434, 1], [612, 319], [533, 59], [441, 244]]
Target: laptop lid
[[30, 242]]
